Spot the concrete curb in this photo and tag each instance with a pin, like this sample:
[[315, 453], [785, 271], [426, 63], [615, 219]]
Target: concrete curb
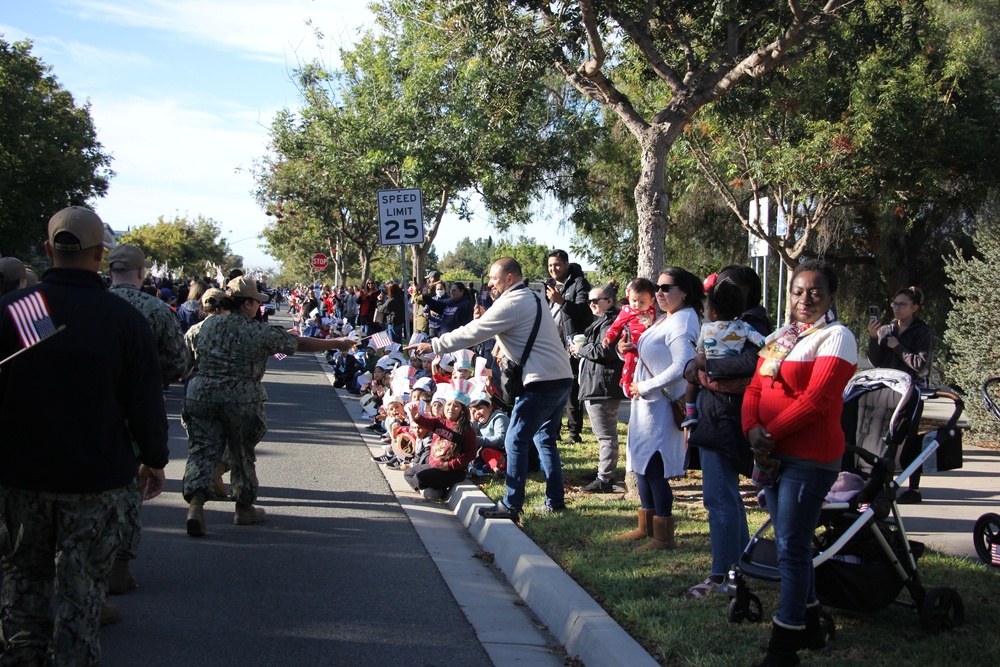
[[581, 625]]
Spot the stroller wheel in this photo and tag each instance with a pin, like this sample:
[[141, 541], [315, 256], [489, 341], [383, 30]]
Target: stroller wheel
[[985, 533], [750, 610], [942, 609]]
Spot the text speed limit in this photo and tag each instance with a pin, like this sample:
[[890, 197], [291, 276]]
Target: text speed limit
[[400, 217]]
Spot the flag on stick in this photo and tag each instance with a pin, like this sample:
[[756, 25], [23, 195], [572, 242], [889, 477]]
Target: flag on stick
[[379, 340], [32, 318]]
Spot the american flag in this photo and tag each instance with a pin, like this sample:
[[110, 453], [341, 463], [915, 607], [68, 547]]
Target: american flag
[[379, 340], [279, 356], [32, 318], [995, 553]]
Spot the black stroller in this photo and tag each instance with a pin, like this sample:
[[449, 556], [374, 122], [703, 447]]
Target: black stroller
[[986, 533], [862, 555]]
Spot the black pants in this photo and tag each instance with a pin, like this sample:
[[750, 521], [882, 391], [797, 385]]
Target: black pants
[[423, 476], [912, 447], [574, 408]]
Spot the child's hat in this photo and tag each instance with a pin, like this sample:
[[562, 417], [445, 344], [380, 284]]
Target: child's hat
[[463, 360], [424, 384]]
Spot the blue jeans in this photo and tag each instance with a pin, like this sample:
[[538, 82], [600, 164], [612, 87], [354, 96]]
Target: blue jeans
[[654, 489], [395, 332], [727, 517], [536, 418], [794, 503]]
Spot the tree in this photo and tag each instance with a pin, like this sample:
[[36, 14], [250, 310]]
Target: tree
[[686, 55], [412, 107], [472, 257], [49, 154], [183, 244], [972, 335]]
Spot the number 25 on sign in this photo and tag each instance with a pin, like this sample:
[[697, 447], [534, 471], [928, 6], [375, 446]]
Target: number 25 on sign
[[400, 217]]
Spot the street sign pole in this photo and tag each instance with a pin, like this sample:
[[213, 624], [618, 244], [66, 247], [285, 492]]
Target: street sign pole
[[401, 222]]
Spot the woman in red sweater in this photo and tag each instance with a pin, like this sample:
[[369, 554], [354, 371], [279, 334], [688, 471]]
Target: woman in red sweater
[[791, 415]]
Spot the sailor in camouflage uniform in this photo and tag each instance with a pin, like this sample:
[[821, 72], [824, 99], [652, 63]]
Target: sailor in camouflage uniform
[[68, 405], [128, 267], [225, 400]]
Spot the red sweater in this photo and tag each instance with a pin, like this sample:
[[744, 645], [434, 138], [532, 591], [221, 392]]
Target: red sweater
[[801, 407], [445, 451]]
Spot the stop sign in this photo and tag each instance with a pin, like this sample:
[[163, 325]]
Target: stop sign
[[319, 262]]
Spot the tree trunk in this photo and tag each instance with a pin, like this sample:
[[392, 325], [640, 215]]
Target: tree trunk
[[651, 199], [364, 262]]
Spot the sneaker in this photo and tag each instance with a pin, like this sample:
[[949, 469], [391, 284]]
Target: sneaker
[[573, 439], [548, 509], [385, 458], [432, 494], [499, 511], [599, 486], [394, 464], [376, 427], [690, 421], [704, 589], [909, 497]]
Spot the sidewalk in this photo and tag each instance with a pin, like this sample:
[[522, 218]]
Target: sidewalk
[[576, 621]]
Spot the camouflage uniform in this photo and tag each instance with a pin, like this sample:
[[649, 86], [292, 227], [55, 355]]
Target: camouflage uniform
[[90, 523], [62, 470], [175, 363], [224, 404]]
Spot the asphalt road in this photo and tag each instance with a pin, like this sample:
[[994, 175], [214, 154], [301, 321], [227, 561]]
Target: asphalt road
[[335, 576]]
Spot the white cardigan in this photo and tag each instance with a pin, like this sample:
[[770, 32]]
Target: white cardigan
[[510, 320]]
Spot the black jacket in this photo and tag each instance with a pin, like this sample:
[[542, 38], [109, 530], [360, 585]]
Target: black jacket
[[69, 405], [720, 423], [574, 316], [600, 369]]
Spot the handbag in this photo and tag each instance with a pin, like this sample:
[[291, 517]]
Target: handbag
[[512, 374], [677, 407]]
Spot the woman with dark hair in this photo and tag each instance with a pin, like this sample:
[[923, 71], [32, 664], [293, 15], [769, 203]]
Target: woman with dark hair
[[190, 311], [367, 302], [723, 450], [394, 311], [455, 312], [905, 344], [791, 416], [655, 444]]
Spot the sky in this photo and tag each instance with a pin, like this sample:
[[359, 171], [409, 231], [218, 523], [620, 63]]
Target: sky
[[182, 93]]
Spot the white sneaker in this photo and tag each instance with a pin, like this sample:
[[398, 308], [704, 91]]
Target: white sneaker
[[432, 494]]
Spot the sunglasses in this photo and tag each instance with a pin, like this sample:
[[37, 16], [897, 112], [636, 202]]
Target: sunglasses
[[598, 300], [665, 287]]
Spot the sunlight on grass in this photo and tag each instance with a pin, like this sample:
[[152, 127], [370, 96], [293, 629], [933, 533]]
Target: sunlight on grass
[[642, 591]]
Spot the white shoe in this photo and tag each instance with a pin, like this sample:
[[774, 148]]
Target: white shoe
[[432, 494]]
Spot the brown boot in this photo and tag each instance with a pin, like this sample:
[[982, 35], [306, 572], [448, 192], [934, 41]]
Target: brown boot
[[196, 515], [109, 614], [248, 514], [645, 528], [219, 488], [663, 535], [120, 580]]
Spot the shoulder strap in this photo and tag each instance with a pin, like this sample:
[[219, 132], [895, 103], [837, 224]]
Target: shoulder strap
[[534, 331]]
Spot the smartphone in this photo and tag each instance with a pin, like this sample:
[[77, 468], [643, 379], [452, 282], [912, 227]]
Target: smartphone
[[874, 311]]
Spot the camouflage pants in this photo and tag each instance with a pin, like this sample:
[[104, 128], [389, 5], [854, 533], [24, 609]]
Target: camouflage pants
[[131, 526], [214, 427], [55, 545]]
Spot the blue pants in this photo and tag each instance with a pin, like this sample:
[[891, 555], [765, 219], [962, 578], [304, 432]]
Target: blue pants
[[727, 517], [794, 503], [536, 418]]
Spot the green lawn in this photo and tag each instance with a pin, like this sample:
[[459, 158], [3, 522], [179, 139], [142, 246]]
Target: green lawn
[[642, 591]]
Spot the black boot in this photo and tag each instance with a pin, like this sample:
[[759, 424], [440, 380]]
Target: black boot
[[781, 649], [819, 628]]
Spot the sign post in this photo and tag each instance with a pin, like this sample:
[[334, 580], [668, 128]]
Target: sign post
[[401, 222]]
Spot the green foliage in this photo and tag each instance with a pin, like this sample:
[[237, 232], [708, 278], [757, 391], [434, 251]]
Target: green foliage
[[49, 154], [972, 335], [470, 257], [184, 244], [530, 255]]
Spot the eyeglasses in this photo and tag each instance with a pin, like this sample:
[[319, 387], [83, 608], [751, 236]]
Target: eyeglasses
[[666, 287], [900, 304], [598, 300]]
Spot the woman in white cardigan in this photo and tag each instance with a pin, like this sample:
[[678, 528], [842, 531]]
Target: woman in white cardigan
[[655, 444]]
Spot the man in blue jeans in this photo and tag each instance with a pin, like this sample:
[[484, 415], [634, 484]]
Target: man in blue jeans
[[548, 379]]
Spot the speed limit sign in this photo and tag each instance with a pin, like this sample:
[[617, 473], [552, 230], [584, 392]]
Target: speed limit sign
[[319, 262], [400, 217]]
